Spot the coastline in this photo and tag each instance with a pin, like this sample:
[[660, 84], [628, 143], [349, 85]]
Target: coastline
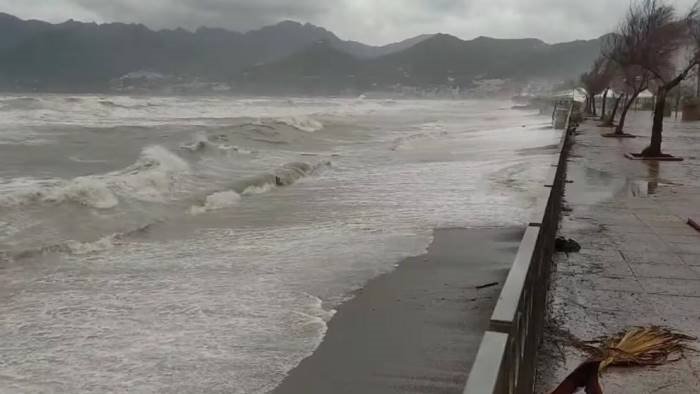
[[418, 328]]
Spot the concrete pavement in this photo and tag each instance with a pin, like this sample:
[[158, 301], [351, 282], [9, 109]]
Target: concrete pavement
[[640, 261]]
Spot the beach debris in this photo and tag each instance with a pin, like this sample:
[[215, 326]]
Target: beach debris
[[694, 224], [487, 285], [636, 346], [566, 245], [640, 346]]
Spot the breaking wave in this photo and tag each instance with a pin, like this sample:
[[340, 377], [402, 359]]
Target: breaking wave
[[257, 189], [151, 178], [199, 143], [219, 200], [285, 175], [306, 124], [77, 248], [112, 104]]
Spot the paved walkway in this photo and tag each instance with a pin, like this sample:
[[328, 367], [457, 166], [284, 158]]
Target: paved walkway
[[640, 261]]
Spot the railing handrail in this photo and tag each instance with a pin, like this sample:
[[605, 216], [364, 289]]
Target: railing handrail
[[486, 372], [506, 308]]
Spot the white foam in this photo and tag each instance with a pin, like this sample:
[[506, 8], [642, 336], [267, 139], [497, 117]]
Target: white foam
[[151, 178], [200, 142], [302, 123], [85, 191], [258, 189], [219, 200], [234, 148], [88, 161], [83, 248]]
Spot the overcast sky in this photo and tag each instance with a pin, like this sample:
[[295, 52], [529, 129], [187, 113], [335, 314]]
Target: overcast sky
[[370, 21]]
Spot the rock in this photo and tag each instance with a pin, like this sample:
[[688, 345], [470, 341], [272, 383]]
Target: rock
[[566, 245]]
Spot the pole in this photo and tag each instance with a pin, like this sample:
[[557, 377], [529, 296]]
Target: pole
[[678, 102], [697, 78]]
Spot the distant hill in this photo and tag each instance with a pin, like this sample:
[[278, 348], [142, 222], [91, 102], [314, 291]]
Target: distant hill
[[440, 61], [444, 56], [286, 57], [86, 56], [13, 31], [361, 50], [319, 69]]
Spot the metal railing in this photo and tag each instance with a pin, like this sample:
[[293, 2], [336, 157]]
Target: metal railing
[[507, 356]]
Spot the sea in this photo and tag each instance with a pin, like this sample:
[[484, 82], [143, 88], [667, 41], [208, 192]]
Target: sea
[[201, 244]]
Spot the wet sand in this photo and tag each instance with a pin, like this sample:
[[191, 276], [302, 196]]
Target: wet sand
[[418, 328]]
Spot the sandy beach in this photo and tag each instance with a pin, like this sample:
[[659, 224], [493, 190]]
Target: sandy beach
[[416, 329]]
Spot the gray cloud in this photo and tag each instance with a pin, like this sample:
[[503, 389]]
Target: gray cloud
[[238, 14], [371, 21]]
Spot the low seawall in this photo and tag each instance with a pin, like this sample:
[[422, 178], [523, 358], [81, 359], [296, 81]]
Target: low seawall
[[505, 362]]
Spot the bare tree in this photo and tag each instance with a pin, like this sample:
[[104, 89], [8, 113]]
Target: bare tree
[[604, 104], [617, 87], [584, 79], [607, 74], [631, 79], [634, 80], [610, 119], [595, 82], [653, 38]]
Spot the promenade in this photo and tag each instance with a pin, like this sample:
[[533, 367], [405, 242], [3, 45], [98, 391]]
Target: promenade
[[639, 263]]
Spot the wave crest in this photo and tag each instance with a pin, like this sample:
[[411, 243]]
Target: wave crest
[[84, 191], [219, 200], [302, 123], [153, 176]]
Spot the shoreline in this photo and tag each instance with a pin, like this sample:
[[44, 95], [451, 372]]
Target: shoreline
[[417, 328]]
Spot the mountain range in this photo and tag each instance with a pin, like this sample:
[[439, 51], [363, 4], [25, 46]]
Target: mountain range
[[288, 57]]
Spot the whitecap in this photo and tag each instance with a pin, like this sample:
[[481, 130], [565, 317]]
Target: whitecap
[[301, 123], [155, 175], [258, 189], [219, 200]]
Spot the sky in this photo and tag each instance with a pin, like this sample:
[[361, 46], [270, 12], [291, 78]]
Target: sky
[[369, 21]]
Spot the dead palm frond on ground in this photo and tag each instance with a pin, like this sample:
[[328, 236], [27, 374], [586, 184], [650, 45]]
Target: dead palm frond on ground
[[637, 346]]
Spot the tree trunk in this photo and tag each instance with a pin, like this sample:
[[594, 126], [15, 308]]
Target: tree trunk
[[605, 102], [621, 124], [588, 104], [654, 148], [593, 108], [616, 107]]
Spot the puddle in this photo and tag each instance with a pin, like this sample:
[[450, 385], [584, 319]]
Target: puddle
[[591, 186], [646, 187], [642, 188]]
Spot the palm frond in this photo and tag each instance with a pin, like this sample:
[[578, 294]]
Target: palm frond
[[640, 346], [637, 346]]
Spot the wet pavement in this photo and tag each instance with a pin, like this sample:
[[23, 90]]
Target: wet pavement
[[640, 260]]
